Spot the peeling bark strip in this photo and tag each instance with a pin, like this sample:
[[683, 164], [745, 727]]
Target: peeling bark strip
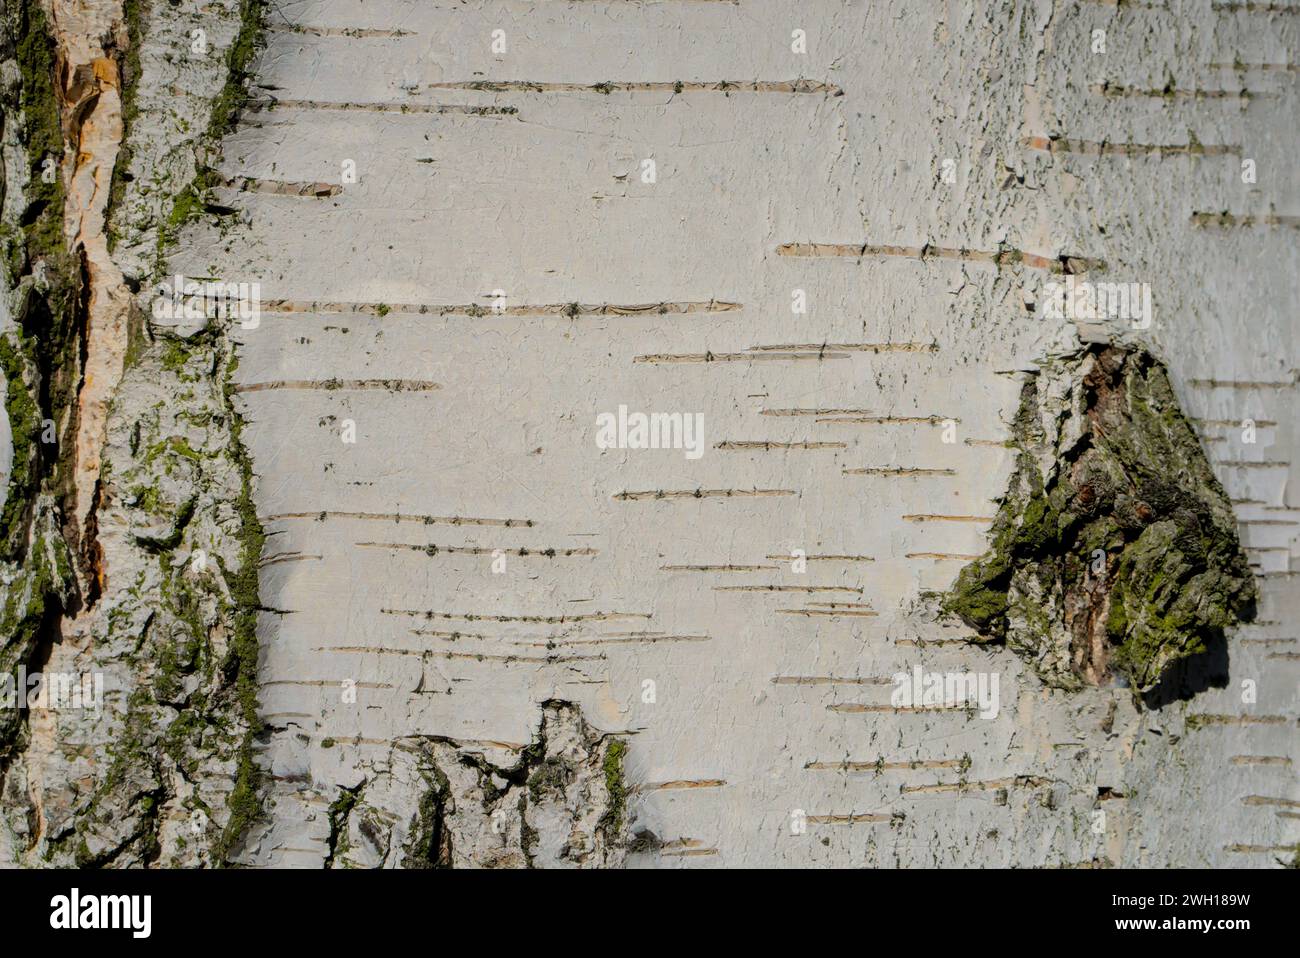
[[1006, 258], [1115, 551], [42, 570], [671, 86], [87, 37]]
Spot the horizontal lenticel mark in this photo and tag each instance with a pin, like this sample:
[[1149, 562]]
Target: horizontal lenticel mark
[[823, 558], [1258, 849], [571, 310], [688, 853], [882, 766], [901, 471], [252, 184], [999, 258], [287, 557], [433, 550], [829, 680], [1206, 719], [1268, 800], [850, 347], [546, 619], [1021, 781], [323, 683], [516, 659], [1254, 6], [358, 33], [398, 517], [925, 643], [934, 517], [1257, 67], [710, 357], [787, 588], [865, 614], [737, 445], [853, 708], [1242, 383], [1228, 220], [641, 86], [1104, 148], [679, 784], [462, 109], [857, 415], [1117, 90], [701, 494], [648, 639], [391, 385]]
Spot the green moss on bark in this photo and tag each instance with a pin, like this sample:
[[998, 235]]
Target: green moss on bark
[[226, 106], [616, 788], [1115, 551], [240, 666]]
